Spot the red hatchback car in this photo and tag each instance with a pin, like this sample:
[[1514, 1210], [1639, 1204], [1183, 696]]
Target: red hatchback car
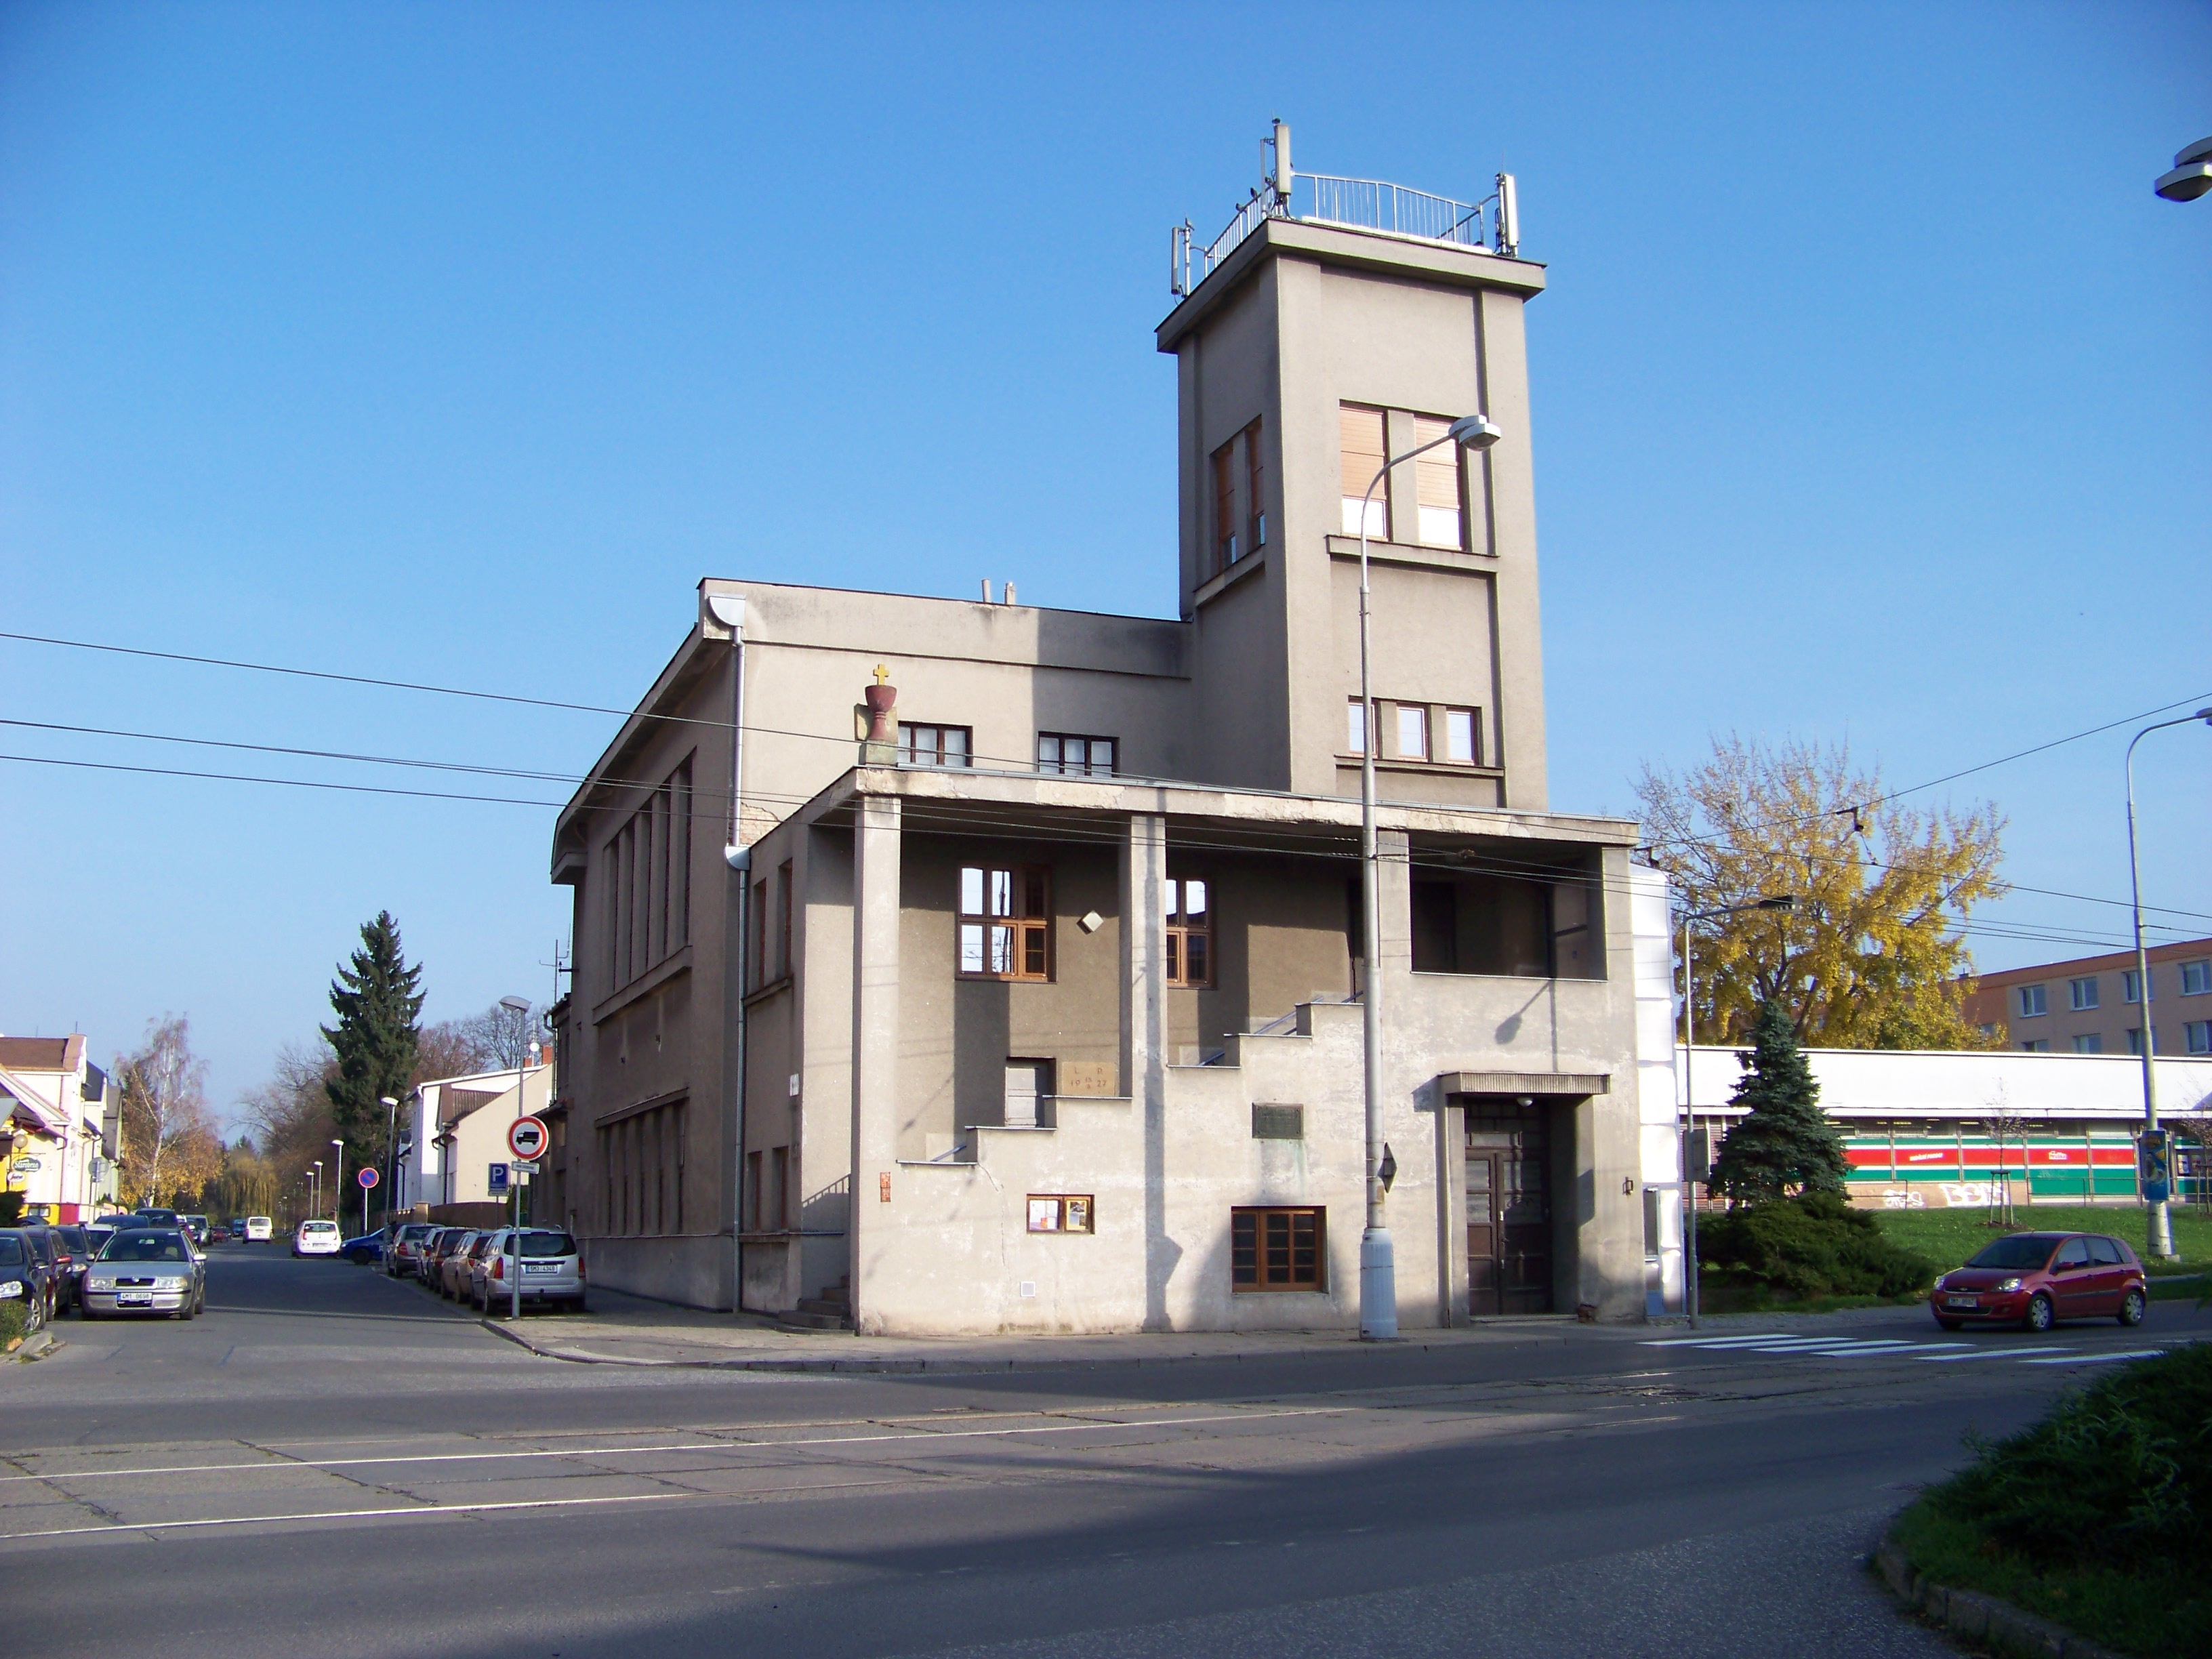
[[2035, 1279]]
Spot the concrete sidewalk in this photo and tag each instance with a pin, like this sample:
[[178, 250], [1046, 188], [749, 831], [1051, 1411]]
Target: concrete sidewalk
[[628, 1330]]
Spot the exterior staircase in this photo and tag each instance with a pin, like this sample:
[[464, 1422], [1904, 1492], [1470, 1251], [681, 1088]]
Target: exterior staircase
[[832, 1310]]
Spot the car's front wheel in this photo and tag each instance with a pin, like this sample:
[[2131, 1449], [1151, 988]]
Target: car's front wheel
[[1951, 1324], [2133, 1306], [2039, 1313]]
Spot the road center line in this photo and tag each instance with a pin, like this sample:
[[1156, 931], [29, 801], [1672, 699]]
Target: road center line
[[360, 1514], [921, 1437]]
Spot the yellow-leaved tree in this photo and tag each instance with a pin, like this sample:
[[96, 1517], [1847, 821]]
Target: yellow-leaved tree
[[1870, 956]]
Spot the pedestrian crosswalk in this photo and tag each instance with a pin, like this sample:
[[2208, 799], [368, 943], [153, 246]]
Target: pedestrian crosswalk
[[1926, 1350]]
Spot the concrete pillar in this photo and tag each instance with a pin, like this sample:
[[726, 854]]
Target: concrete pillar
[[876, 836], [1144, 1036]]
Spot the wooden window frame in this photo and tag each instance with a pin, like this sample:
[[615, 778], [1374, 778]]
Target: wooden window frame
[[784, 883], [1256, 490], [1430, 473], [1026, 922], [1262, 1265], [1352, 487], [1181, 929], [939, 754], [1473, 717], [1071, 1212], [1227, 549], [1053, 760]]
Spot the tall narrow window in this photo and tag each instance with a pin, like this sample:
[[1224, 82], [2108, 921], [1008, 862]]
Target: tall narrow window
[[783, 918], [934, 746], [1255, 491], [1436, 479], [1362, 445], [1413, 732], [1224, 507], [1066, 753], [759, 941], [1190, 933], [1004, 928], [1462, 740], [1355, 727]]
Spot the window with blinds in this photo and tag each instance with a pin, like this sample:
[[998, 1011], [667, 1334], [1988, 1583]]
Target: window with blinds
[[1004, 926], [1436, 479], [1361, 441]]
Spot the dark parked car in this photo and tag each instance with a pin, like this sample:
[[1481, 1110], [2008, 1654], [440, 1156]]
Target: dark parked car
[[363, 1252], [24, 1279], [150, 1216], [2035, 1279], [54, 1258], [76, 1243]]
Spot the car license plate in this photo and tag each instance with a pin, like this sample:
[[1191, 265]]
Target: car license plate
[[540, 1266], [134, 1301], [1961, 1301]]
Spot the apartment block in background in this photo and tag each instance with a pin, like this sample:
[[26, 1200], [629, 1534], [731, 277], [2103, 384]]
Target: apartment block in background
[[2093, 1005]]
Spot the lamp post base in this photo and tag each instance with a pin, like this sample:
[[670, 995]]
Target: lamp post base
[[1378, 1286], [2161, 1240]]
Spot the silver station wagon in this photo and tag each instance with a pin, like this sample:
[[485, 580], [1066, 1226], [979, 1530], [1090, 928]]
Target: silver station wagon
[[551, 1270]]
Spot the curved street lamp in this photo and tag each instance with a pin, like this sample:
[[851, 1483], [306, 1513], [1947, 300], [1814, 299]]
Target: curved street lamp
[[2191, 176], [1378, 1271], [2159, 1235], [1773, 901]]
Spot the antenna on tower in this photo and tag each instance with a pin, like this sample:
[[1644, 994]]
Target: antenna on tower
[[1509, 216], [1280, 177]]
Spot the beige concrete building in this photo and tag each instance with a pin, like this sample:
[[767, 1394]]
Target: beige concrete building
[[58, 1127], [1037, 1009], [2094, 1006]]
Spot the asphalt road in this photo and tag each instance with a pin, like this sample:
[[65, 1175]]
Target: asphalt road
[[328, 1462]]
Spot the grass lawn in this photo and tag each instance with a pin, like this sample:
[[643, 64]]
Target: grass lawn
[[1947, 1238], [2097, 1516]]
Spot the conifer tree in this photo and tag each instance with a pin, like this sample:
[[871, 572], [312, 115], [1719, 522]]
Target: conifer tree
[[1784, 1139], [378, 999]]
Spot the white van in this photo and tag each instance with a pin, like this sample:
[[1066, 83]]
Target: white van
[[259, 1229]]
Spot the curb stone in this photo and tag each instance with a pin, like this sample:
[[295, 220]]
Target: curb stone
[[889, 1365], [1997, 1625], [37, 1346]]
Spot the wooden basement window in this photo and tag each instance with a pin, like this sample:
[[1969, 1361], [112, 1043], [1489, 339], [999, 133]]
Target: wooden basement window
[[1278, 1250]]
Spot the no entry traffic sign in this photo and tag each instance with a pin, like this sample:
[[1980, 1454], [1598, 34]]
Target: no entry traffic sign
[[526, 1138], [367, 1176]]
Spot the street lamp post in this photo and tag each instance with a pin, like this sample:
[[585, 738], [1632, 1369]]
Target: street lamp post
[[315, 1193], [1776, 902], [1378, 1273], [391, 1163], [2160, 1236], [338, 1189], [519, 1008]]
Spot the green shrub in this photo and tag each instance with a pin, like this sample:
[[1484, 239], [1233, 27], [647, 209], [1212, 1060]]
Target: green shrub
[[2099, 1515], [1816, 1244], [11, 1208], [12, 1319]]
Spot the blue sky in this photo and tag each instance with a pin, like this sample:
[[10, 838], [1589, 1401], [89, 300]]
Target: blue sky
[[1873, 395]]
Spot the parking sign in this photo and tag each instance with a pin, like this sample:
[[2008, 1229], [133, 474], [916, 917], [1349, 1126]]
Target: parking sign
[[498, 1178]]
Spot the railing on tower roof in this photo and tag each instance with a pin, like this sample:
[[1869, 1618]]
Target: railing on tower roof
[[1357, 204]]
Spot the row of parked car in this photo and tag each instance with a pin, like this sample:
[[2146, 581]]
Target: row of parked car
[[481, 1265], [152, 1260]]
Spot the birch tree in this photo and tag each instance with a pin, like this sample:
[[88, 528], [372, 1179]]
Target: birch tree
[[169, 1146]]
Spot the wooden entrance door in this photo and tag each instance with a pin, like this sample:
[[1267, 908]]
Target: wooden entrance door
[[1509, 1211]]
